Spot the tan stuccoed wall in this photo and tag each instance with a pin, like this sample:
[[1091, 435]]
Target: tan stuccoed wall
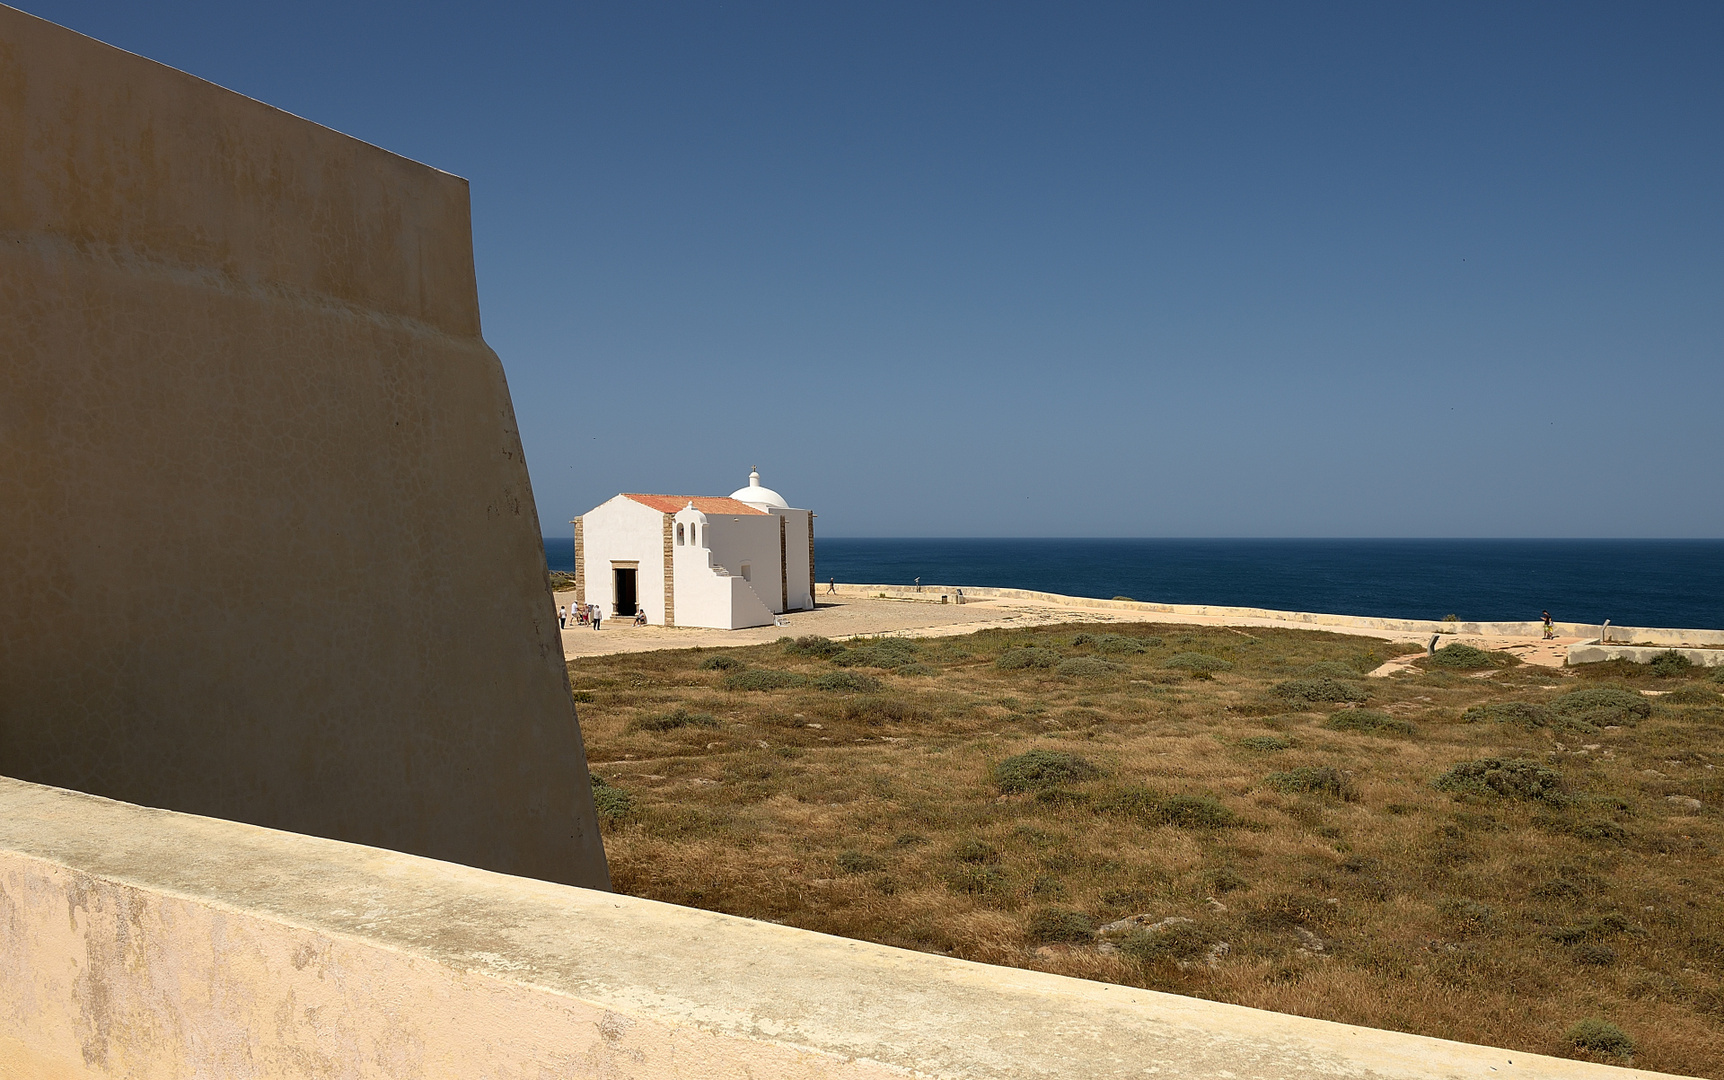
[[269, 547], [146, 944]]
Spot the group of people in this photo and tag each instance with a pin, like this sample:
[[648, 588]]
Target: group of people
[[588, 615], [578, 615]]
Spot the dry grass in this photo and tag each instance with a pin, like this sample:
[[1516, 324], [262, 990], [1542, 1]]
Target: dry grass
[[1349, 888]]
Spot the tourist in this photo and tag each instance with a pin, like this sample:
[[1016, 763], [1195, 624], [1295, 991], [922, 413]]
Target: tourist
[[562, 617], [640, 616], [832, 585], [594, 608], [1549, 627]]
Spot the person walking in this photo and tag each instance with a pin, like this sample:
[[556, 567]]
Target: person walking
[[562, 617], [1549, 627], [832, 586]]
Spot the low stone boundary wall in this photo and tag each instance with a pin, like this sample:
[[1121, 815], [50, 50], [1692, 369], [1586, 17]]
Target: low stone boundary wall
[[149, 944], [1316, 620], [1593, 652]]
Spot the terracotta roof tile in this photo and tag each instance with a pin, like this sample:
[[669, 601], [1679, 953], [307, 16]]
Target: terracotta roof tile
[[706, 504]]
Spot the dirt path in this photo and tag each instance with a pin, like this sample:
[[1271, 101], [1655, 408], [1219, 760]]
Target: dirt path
[[846, 615]]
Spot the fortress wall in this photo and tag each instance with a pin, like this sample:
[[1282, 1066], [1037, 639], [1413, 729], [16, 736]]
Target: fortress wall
[[270, 548], [146, 944]]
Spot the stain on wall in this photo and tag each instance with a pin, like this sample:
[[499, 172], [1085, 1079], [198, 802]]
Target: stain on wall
[[270, 550]]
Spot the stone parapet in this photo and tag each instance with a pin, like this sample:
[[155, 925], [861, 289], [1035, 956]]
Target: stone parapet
[[149, 944]]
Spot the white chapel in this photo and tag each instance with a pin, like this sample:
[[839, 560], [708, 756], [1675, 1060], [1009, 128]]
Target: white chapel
[[723, 562]]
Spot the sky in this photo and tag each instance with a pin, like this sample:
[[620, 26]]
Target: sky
[[995, 269]]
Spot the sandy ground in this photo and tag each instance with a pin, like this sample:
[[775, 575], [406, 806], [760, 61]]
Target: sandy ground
[[845, 616]]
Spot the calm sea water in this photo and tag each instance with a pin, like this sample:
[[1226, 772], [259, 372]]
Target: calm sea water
[[1630, 582]]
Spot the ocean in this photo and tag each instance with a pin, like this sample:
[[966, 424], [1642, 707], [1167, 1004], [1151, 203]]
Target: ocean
[[1676, 583]]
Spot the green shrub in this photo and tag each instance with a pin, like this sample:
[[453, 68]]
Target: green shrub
[[762, 679], [1120, 645], [1504, 777], [1087, 667], [1314, 780], [859, 862], [847, 682], [1670, 664], [721, 662], [1266, 743], [1226, 879], [1370, 721], [1040, 769], [1468, 914], [1029, 657], [1053, 924], [1200, 663], [1322, 688], [976, 850], [1692, 694], [1718, 675], [1149, 807], [880, 653], [1602, 705], [611, 803], [1332, 669], [1610, 924], [1594, 955], [980, 881], [919, 669], [670, 721], [1458, 657], [1598, 1037], [811, 645], [1180, 941], [582, 697], [1524, 713]]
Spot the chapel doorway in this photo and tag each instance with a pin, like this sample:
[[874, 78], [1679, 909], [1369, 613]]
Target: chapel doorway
[[624, 590]]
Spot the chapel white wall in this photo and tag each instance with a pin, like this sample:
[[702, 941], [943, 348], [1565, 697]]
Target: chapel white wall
[[622, 530]]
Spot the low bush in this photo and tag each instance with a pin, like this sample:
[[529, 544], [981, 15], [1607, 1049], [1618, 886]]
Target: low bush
[[1458, 657], [1314, 780], [1610, 924], [1266, 743], [1602, 705], [847, 682], [762, 679], [612, 804], [1055, 924], [1041, 769], [1180, 941], [1594, 955], [1149, 807], [1226, 879], [976, 850], [1693, 694], [1120, 645], [1718, 675], [1196, 662], [811, 645], [881, 653], [1331, 669], [1087, 667], [1524, 713], [852, 861], [1671, 664], [1599, 1037], [721, 662], [582, 697], [1030, 657], [980, 881], [1322, 688], [1504, 777], [923, 670], [1370, 721], [670, 721]]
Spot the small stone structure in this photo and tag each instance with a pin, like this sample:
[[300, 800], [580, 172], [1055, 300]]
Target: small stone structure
[[268, 549]]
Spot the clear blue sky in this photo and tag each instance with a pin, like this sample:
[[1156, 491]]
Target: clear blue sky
[[1109, 270]]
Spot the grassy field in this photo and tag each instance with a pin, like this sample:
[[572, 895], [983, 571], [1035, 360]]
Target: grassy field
[[1474, 849]]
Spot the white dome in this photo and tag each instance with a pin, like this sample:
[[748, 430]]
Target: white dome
[[755, 495]]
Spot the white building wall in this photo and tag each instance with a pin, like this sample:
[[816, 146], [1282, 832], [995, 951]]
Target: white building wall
[[622, 530], [796, 526]]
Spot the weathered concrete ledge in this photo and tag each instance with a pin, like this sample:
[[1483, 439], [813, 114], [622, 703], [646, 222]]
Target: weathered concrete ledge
[[145, 943], [1593, 652], [1665, 637]]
